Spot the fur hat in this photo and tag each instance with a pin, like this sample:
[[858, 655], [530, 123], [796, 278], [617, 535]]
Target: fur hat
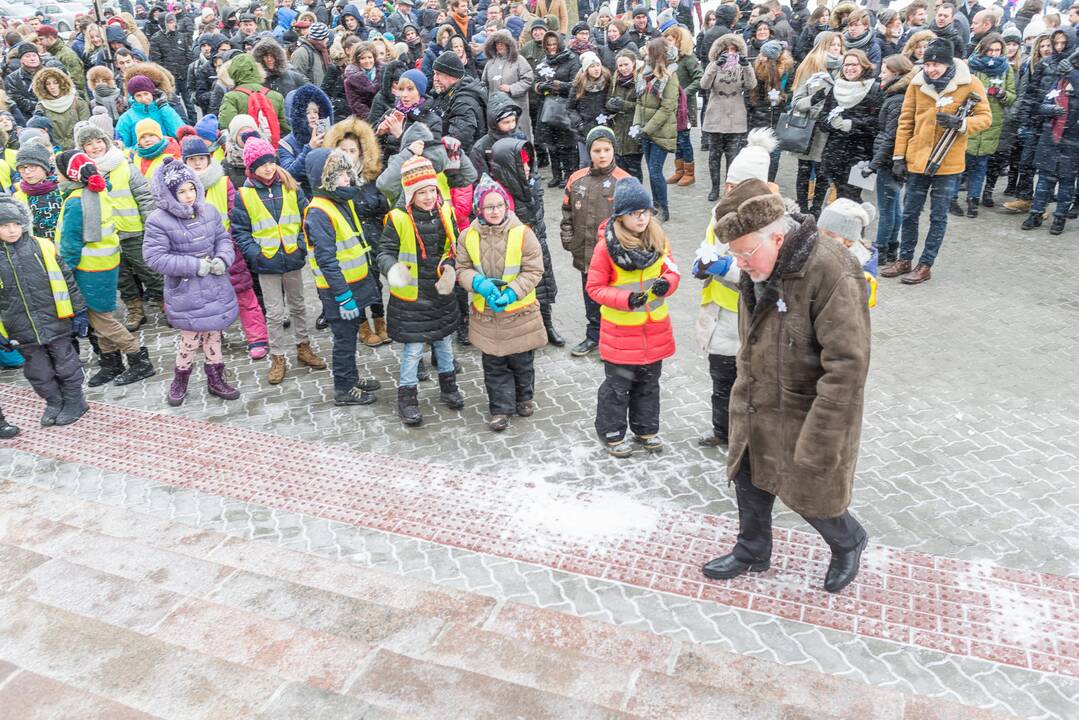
[[13, 211], [86, 131], [748, 207], [34, 153], [417, 173], [752, 160], [630, 196], [258, 152], [847, 219], [140, 83], [147, 126], [336, 163], [449, 64]]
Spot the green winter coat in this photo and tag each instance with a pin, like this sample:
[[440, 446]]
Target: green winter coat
[[657, 116], [72, 63], [987, 141], [689, 77], [622, 120], [244, 72]]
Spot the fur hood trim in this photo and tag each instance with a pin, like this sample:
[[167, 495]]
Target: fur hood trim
[[502, 36], [369, 148], [162, 78], [724, 40], [38, 84], [297, 116], [270, 47]]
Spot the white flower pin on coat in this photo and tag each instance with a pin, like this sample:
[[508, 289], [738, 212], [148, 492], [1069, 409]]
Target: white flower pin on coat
[[781, 306]]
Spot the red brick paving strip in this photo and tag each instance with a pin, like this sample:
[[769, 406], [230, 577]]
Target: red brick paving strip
[[1015, 617]]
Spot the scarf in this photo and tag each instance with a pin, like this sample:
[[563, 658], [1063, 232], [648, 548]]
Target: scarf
[[153, 151], [45, 186], [211, 174], [851, 43], [648, 82], [991, 66], [111, 160], [849, 93], [627, 250], [731, 63], [581, 46], [672, 54], [61, 104], [833, 63], [91, 211], [320, 47], [406, 109], [625, 80], [596, 85], [234, 154], [1062, 101], [461, 21], [942, 82]]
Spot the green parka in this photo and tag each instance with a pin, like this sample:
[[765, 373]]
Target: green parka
[[243, 71], [657, 115], [988, 141]]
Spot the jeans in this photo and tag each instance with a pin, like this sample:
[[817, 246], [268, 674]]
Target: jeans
[[1043, 193], [940, 189], [683, 150], [654, 157], [977, 168], [890, 207], [412, 352]]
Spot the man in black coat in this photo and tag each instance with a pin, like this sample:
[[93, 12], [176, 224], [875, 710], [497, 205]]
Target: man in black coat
[[459, 101], [171, 49], [18, 84]]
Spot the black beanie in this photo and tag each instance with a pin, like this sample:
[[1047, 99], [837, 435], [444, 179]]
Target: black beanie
[[449, 64], [940, 51]]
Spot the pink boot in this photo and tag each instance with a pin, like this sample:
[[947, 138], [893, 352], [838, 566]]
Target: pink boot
[[258, 351], [216, 384], [178, 388]]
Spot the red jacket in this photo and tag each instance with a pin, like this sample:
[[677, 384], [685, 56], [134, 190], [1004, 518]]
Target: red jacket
[[626, 344]]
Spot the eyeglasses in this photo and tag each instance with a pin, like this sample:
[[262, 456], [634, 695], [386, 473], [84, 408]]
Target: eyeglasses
[[641, 214], [745, 255], [497, 206]]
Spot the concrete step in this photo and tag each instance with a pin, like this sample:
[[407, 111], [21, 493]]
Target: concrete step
[[29, 696]]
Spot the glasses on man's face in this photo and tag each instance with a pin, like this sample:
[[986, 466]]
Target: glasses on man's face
[[641, 214], [745, 255]]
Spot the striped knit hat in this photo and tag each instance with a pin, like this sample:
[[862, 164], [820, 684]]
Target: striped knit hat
[[417, 173]]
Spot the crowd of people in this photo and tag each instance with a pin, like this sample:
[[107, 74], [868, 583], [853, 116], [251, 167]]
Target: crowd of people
[[204, 164]]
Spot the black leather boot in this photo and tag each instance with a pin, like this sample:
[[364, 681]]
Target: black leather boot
[[548, 322], [844, 567], [408, 405], [728, 566], [138, 368], [7, 430], [110, 365], [451, 394]]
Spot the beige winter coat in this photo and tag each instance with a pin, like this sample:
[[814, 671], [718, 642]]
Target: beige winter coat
[[503, 333]]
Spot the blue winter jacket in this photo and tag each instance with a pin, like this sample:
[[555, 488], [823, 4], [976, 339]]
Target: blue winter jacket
[[166, 117], [98, 288], [293, 149]]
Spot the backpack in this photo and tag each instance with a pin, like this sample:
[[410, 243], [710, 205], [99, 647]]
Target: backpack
[[262, 110]]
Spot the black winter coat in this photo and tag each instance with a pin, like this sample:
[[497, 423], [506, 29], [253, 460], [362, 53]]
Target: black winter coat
[[432, 316], [25, 294], [423, 114], [18, 87], [496, 105], [172, 51], [589, 106], [320, 231], [888, 122], [463, 111], [843, 149], [806, 39], [281, 262], [1058, 159]]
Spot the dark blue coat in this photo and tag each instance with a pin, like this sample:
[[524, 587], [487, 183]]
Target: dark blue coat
[[259, 264], [292, 152]]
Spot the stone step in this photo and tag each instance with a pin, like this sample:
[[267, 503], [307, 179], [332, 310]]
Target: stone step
[[28, 696]]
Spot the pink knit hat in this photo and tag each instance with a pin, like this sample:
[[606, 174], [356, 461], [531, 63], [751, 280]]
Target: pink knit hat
[[258, 152]]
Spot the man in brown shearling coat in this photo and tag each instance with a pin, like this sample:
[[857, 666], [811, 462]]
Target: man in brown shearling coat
[[796, 407]]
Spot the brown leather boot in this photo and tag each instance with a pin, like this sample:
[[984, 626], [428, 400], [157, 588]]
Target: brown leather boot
[[307, 357], [381, 331], [679, 171], [136, 315], [895, 269], [368, 336], [920, 275], [277, 369], [688, 178]]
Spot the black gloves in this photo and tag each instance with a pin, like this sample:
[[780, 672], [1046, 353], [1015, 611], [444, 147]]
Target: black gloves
[[637, 299], [1052, 110], [743, 60], [160, 100], [661, 286], [899, 169], [947, 120], [868, 170], [1064, 66], [615, 104]]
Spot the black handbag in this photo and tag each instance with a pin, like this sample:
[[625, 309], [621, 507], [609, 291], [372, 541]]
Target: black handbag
[[795, 132], [556, 113]]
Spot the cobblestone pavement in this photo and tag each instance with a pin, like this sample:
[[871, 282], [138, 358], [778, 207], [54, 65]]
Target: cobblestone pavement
[[969, 454]]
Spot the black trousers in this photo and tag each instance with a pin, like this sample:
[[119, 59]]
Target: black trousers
[[724, 371], [510, 379], [801, 187], [754, 544], [722, 146], [631, 164], [591, 311], [631, 390], [345, 373], [53, 367]]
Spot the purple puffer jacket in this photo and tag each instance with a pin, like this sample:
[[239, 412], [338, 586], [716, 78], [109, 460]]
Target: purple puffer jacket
[[176, 236]]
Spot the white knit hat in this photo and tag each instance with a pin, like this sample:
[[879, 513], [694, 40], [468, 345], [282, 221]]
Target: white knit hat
[[847, 219], [588, 58], [752, 161]]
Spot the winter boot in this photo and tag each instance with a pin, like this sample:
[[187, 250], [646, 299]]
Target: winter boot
[[1017, 206], [306, 356], [972, 207], [381, 331], [553, 337], [408, 405], [74, 405], [368, 336], [954, 208], [7, 430], [1034, 220], [663, 214], [451, 394], [138, 368], [987, 197], [1058, 225], [110, 366], [178, 388], [216, 383], [277, 370], [688, 179], [320, 322], [136, 315], [679, 172], [53, 406], [354, 396]]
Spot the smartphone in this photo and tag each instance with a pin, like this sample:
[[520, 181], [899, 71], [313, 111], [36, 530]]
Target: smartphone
[[321, 126]]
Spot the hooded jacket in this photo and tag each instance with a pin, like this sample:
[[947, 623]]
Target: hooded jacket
[[72, 64], [165, 116], [63, 122], [389, 182], [726, 111], [243, 72], [497, 104], [512, 70], [176, 237], [114, 34], [292, 152], [282, 78], [308, 62], [423, 114]]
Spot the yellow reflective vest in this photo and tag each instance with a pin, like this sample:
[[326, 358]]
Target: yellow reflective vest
[[714, 291], [654, 308], [271, 233], [409, 247], [124, 208], [218, 196], [351, 248], [103, 254], [5, 176], [152, 166], [514, 251], [57, 283]]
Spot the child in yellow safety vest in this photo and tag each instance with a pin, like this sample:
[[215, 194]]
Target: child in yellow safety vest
[[152, 148], [41, 307], [132, 203], [222, 196], [500, 261]]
